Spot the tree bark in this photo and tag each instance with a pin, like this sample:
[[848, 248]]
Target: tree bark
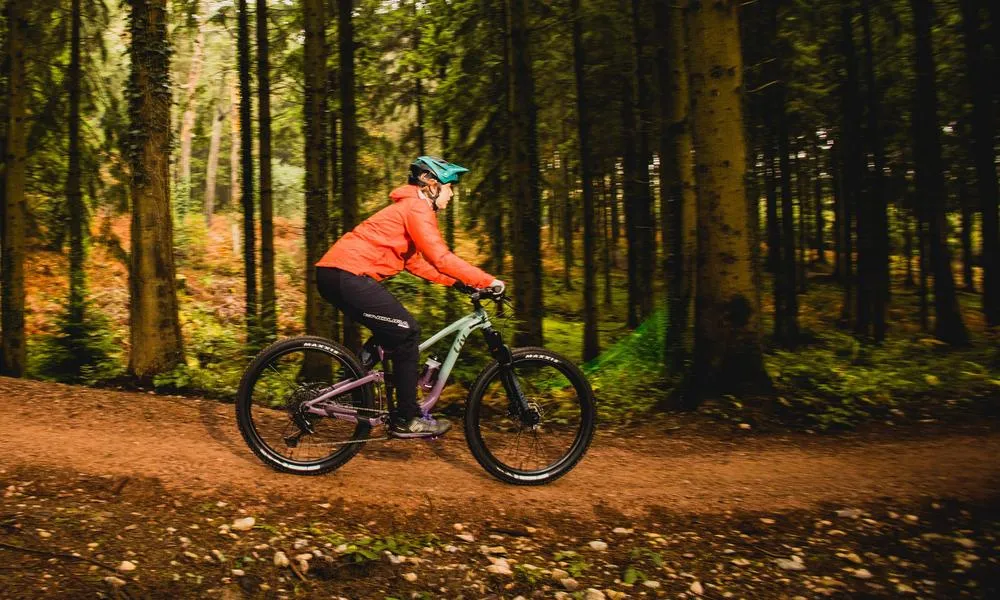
[[234, 143], [348, 142], [981, 81], [676, 182], [153, 312], [590, 340], [212, 168], [246, 160], [74, 191], [268, 314], [318, 312], [524, 176], [850, 156], [727, 350], [188, 117], [948, 324], [13, 359], [786, 321], [968, 283], [773, 260], [646, 231], [819, 217]]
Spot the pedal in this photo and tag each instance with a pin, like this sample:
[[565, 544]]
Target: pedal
[[292, 441]]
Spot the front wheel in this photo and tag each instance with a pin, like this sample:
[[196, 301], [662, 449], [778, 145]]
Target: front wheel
[[547, 442]]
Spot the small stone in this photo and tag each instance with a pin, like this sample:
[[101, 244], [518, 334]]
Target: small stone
[[450, 548], [305, 556], [740, 562], [767, 521], [570, 584], [911, 519], [593, 594], [614, 594], [745, 426], [965, 543], [558, 574], [280, 559], [850, 513], [499, 569], [795, 564], [598, 545], [622, 531], [244, 524], [44, 534], [902, 588], [114, 582], [862, 573], [126, 566], [458, 526], [651, 584], [238, 572], [853, 557], [467, 537], [219, 556], [411, 577], [696, 588]]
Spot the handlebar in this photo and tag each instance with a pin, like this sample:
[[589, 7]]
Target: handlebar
[[496, 293]]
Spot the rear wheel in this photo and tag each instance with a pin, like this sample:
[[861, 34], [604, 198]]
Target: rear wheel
[[269, 406], [547, 442]]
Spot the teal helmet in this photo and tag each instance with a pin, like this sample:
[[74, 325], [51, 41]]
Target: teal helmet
[[442, 170]]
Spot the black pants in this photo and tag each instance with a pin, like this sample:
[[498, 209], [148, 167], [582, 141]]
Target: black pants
[[364, 301]]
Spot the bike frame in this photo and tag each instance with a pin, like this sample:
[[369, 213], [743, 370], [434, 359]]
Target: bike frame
[[462, 328]]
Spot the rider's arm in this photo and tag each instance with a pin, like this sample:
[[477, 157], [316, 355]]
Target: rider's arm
[[421, 224], [421, 268]]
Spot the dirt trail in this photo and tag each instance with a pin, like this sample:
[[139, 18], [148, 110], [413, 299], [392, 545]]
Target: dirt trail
[[193, 446]]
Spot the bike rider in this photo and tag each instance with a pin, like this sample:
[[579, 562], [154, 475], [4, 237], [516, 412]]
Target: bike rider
[[403, 235]]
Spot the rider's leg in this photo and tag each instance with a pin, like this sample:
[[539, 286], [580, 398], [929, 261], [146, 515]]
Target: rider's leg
[[365, 301]]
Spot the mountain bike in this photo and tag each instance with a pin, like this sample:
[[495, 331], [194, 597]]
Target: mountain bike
[[306, 405]]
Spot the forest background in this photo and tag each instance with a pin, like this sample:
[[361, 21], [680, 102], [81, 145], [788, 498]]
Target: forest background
[[786, 208]]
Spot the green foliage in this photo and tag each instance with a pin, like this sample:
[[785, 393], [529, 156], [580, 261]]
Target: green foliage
[[838, 382], [85, 352], [367, 549], [216, 357]]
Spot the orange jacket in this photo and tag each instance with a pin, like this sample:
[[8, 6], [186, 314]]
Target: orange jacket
[[403, 235]]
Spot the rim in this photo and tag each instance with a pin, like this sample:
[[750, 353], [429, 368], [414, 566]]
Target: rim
[[282, 384], [532, 451]]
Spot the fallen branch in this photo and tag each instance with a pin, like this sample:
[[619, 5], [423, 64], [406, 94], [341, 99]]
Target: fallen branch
[[58, 555]]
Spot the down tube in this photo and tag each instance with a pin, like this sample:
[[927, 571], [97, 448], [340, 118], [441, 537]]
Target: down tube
[[449, 362]]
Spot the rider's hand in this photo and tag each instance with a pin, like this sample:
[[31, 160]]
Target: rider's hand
[[465, 289], [497, 287]]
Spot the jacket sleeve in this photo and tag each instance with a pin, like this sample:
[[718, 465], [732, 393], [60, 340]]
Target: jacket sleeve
[[421, 268], [422, 227]]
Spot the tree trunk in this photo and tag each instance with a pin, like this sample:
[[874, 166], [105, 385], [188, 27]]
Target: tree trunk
[[188, 120], [606, 240], [524, 176], [234, 144], [630, 192], [348, 142], [802, 195], [212, 168], [836, 188], [268, 315], [567, 225], [773, 260], [786, 321], [318, 311], [850, 156], [646, 232], [676, 183], [966, 207], [982, 88], [820, 218], [948, 324], [74, 191], [246, 159], [876, 277], [727, 351], [153, 314], [615, 216], [334, 183], [12, 291], [590, 340], [908, 248]]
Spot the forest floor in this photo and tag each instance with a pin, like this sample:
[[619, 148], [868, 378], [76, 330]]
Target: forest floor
[[136, 495]]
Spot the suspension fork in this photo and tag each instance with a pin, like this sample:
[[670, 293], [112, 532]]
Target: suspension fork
[[502, 354]]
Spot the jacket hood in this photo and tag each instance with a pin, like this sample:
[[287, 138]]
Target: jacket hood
[[403, 192]]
